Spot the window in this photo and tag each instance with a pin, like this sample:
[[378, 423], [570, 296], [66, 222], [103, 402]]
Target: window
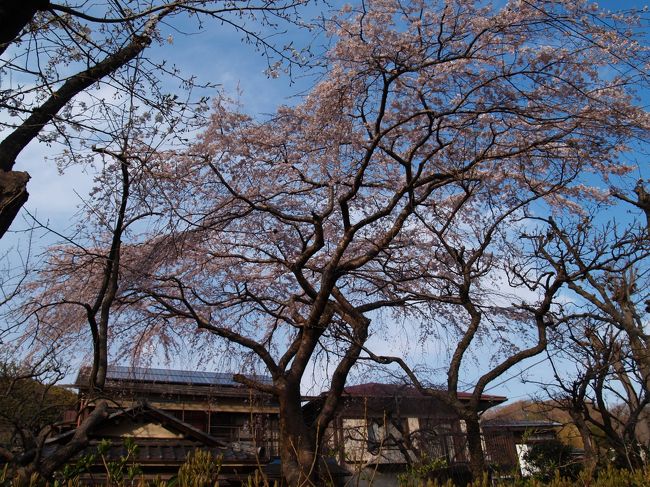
[[383, 434]]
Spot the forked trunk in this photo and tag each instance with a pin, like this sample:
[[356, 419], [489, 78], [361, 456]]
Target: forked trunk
[[45, 467]]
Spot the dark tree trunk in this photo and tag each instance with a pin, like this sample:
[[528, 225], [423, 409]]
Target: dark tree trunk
[[477, 464], [13, 195], [631, 447], [591, 456], [45, 467], [298, 445]]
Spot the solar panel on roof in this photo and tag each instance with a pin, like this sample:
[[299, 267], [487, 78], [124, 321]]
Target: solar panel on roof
[[142, 374]]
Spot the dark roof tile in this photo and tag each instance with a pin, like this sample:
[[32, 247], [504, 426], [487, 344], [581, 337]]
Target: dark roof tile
[[376, 389]]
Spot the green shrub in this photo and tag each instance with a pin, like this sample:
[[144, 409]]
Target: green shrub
[[200, 469], [421, 473], [551, 458]]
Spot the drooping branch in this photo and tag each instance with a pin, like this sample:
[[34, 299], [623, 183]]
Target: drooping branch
[[15, 142], [13, 189]]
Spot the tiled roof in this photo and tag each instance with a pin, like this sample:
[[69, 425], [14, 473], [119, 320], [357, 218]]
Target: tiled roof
[[375, 389], [519, 423]]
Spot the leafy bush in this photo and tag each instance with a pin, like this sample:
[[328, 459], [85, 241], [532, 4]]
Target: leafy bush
[[419, 473], [551, 458], [200, 469]]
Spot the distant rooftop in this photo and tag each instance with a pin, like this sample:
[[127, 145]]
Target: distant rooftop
[[168, 376], [520, 423]]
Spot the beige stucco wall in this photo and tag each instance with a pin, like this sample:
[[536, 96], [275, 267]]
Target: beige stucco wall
[[127, 428], [355, 443]]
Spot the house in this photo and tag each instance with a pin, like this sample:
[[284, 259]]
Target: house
[[169, 413], [507, 440], [162, 442], [381, 428], [208, 401]]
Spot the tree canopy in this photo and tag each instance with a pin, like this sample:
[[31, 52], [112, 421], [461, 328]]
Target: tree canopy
[[66, 66], [411, 181]]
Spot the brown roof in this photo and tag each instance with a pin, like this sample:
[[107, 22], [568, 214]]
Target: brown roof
[[376, 389], [519, 424]]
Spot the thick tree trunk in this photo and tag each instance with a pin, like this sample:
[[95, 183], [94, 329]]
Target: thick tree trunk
[[298, 443], [643, 201], [13, 195], [590, 456], [477, 464]]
